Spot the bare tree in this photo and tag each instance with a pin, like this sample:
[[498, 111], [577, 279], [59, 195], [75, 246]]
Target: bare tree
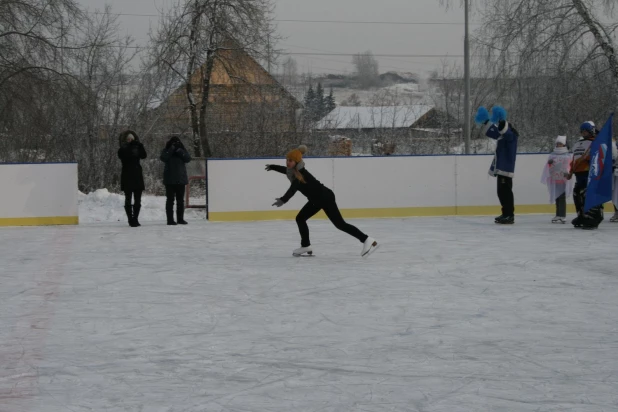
[[289, 76], [199, 33], [33, 36], [367, 69]]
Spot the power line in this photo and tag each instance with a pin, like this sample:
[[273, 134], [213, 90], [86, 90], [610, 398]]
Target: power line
[[433, 56], [439, 56], [394, 23]]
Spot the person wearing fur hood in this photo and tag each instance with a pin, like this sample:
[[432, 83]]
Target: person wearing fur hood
[[503, 165], [130, 153], [320, 198], [556, 176]]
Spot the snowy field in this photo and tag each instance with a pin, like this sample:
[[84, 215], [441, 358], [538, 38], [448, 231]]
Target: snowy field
[[451, 314]]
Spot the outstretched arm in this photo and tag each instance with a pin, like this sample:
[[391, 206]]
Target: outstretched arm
[[277, 168]]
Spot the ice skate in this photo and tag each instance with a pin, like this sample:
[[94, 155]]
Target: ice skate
[[590, 222], [498, 218], [614, 218], [369, 246], [559, 219], [303, 252], [506, 220], [577, 222]]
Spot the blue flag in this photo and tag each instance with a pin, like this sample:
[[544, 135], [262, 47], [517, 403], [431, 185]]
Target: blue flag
[[600, 178]]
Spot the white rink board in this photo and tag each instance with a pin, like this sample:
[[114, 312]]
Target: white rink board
[[394, 182], [34, 191], [378, 183], [476, 188], [242, 185]]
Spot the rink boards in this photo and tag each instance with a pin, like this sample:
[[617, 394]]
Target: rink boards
[[38, 194], [375, 187]]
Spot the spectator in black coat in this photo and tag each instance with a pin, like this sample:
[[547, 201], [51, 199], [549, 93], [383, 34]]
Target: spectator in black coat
[[175, 179], [131, 179]]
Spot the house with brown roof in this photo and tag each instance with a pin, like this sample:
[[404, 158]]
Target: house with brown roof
[[245, 102]]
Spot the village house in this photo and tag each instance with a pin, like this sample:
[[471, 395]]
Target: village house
[[409, 129], [245, 102]]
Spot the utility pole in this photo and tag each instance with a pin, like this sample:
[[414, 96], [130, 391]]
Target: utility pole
[[467, 80]]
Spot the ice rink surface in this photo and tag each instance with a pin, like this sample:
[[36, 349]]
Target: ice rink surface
[[450, 314]]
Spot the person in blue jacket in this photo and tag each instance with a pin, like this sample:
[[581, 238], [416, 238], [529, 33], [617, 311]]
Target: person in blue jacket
[[503, 165]]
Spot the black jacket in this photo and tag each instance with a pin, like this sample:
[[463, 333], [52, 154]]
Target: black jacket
[[175, 172], [132, 178], [315, 191]]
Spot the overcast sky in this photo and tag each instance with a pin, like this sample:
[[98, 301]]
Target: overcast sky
[[338, 37]]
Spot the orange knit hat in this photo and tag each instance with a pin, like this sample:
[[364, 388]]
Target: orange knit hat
[[297, 154]]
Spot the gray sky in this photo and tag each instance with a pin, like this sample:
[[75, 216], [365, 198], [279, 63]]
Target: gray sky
[[338, 37]]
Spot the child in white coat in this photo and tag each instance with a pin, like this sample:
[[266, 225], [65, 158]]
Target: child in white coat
[[556, 177]]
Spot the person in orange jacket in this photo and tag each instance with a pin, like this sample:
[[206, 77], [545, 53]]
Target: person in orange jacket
[[580, 167]]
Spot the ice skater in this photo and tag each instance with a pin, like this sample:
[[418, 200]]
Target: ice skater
[[503, 165], [556, 177], [131, 178], [320, 198]]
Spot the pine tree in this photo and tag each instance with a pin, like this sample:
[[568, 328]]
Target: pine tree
[[329, 102], [310, 103], [319, 106], [309, 97]]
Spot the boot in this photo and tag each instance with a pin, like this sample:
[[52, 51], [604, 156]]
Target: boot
[[303, 251], [506, 220], [180, 214], [169, 211], [136, 209], [127, 209], [369, 246]]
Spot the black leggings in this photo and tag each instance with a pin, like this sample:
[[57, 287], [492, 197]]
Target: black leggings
[[137, 195], [329, 206]]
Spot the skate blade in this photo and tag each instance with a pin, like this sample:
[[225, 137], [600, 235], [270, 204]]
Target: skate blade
[[309, 254], [373, 248]]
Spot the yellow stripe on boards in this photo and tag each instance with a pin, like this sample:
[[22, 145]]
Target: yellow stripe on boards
[[39, 221], [390, 212]]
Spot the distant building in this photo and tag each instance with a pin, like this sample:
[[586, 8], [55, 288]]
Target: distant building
[[391, 129]]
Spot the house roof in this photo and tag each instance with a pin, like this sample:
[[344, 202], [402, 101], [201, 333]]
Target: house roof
[[233, 67], [378, 117]]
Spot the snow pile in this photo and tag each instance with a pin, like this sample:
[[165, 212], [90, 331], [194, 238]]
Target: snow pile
[[103, 206]]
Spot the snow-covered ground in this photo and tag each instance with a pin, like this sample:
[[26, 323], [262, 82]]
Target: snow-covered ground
[[451, 314], [103, 206]]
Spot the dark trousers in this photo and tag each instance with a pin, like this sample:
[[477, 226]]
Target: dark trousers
[[579, 192], [561, 205], [137, 197], [505, 194], [175, 192], [329, 205]]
